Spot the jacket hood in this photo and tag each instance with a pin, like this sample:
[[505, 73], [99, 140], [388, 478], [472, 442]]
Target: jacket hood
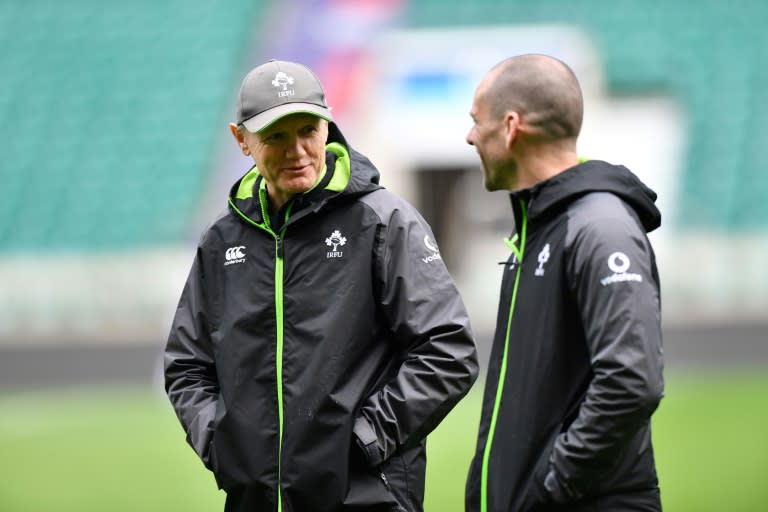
[[348, 174], [593, 176]]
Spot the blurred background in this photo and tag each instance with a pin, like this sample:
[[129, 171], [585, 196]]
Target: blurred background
[[115, 154]]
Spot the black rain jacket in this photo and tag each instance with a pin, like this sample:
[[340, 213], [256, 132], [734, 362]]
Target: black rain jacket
[[311, 353], [576, 365]]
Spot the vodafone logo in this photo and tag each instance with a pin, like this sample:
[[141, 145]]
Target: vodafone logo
[[234, 255], [429, 244], [619, 263]]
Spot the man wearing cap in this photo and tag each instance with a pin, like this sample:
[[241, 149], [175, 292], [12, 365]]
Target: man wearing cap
[[319, 337]]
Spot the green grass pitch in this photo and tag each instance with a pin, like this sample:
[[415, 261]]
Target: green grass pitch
[[122, 450]]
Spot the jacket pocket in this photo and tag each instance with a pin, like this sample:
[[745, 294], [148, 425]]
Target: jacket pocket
[[404, 475], [536, 496], [368, 488], [217, 453]]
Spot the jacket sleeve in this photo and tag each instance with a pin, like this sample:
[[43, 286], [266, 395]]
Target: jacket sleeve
[[612, 275], [425, 313], [190, 373]]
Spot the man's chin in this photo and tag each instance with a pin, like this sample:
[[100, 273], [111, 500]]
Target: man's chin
[[299, 186], [490, 185]]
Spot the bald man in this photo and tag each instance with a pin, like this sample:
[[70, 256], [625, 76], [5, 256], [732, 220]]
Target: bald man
[[576, 366]]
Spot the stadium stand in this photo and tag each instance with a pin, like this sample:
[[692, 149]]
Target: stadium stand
[[108, 115], [108, 112], [707, 54], [111, 116]]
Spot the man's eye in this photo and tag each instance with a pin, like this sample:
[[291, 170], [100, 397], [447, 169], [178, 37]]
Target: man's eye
[[308, 130], [275, 137]]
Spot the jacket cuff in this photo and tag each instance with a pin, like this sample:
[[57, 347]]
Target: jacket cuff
[[366, 439], [559, 491]]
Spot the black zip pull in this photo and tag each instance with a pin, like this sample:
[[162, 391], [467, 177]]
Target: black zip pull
[[386, 482], [279, 241]]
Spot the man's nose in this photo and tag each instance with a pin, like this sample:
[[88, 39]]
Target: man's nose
[[296, 149], [470, 139]]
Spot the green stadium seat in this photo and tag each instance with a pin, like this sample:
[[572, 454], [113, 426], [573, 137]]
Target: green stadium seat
[[90, 106]]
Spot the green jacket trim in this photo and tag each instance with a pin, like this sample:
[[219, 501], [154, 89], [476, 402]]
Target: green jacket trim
[[519, 253], [343, 169]]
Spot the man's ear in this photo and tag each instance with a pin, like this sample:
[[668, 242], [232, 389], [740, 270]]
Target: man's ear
[[240, 138], [511, 127]]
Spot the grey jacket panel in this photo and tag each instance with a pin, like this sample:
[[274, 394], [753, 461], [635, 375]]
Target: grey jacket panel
[[421, 306], [615, 286], [190, 369]]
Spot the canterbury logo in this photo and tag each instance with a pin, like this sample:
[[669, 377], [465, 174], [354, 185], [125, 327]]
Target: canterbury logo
[[235, 255]]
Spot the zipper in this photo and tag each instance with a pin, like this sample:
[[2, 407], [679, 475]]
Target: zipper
[[279, 238], [384, 479], [279, 335], [519, 252], [279, 361]]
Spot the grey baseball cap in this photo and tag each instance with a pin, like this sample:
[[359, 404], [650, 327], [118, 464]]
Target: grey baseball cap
[[276, 89]]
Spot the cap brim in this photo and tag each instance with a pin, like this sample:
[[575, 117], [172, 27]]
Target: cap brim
[[262, 121]]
